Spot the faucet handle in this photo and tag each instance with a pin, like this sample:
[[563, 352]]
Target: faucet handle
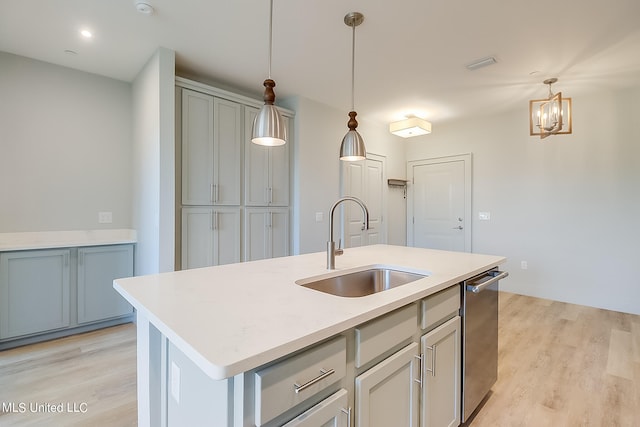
[[339, 250]]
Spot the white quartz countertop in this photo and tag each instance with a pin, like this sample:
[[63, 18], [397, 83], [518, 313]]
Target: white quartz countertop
[[233, 318], [64, 239]]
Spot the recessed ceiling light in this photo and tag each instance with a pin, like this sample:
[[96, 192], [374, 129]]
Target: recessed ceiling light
[[86, 34], [144, 7]]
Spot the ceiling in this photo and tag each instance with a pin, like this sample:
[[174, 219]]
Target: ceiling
[[410, 54]]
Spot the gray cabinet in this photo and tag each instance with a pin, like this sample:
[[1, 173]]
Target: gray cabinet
[[266, 173], [266, 233], [210, 236], [442, 381], [34, 292], [388, 394], [49, 293], [211, 142], [97, 268], [330, 412], [219, 166]]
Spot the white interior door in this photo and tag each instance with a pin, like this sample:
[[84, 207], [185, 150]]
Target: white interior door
[[439, 203], [364, 180]]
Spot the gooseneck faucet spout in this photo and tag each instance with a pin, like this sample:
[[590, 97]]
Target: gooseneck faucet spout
[[331, 245]]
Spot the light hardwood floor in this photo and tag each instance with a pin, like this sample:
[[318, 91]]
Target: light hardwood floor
[[559, 365], [564, 365], [92, 373]]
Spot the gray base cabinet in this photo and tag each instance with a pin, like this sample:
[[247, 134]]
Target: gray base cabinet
[[330, 412], [97, 269], [34, 292], [402, 369], [48, 293], [388, 393], [443, 364]]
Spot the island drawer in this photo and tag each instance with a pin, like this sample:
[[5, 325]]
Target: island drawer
[[440, 307], [285, 384], [380, 335]]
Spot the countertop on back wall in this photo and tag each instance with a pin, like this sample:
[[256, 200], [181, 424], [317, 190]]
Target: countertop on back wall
[[64, 239], [233, 318]]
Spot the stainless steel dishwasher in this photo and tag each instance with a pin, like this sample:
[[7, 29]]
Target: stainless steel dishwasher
[[480, 338]]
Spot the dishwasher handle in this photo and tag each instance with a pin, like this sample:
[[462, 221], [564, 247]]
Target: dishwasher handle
[[497, 275]]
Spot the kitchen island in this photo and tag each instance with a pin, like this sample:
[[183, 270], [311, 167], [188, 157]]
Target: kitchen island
[[209, 338]]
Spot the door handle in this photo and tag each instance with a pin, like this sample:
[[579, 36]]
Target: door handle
[[498, 275], [457, 228]]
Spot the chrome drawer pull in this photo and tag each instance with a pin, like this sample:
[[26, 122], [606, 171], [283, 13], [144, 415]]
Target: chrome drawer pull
[[323, 374], [347, 412], [433, 360], [420, 357]]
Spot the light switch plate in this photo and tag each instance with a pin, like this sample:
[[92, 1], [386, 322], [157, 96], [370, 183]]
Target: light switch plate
[[484, 216], [319, 216], [105, 217]]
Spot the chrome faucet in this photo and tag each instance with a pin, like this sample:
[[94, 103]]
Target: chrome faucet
[[331, 245]]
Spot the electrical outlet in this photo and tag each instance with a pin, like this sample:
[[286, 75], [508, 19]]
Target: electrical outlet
[[319, 216], [175, 381], [105, 217], [524, 265]]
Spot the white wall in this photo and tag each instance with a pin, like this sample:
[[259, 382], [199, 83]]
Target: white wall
[[568, 205], [154, 163], [316, 171], [65, 148]]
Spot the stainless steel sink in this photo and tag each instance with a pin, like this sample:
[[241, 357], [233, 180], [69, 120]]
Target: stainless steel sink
[[361, 283]]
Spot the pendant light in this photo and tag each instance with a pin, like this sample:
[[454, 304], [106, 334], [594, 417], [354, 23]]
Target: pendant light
[[268, 127], [550, 116], [352, 148]]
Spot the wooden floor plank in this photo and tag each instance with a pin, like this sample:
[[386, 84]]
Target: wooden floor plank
[[91, 376]]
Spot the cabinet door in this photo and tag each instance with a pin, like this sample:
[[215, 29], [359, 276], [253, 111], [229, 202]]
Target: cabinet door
[[387, 394], [197, 148], [97, 268], [256, 165], [331, 412], [226, 235], [226, 152], [34, 291], [256, 238], [442, 381], [210, 236], [278, 231], [266, 233], [278, 194], [197, 237], [266, 169]]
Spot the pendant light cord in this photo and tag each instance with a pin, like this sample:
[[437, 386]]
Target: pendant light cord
[[353, 66], [270, 35]]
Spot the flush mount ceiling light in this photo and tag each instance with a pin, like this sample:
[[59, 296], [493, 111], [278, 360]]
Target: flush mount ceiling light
[[480, 63], [268, 127], [352, 148], [411, 126], [550, 116]]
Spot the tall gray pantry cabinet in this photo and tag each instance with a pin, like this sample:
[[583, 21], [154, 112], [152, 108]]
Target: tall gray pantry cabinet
[[233, 194]]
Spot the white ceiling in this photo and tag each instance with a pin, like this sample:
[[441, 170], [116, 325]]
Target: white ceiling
[[410, 54]]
